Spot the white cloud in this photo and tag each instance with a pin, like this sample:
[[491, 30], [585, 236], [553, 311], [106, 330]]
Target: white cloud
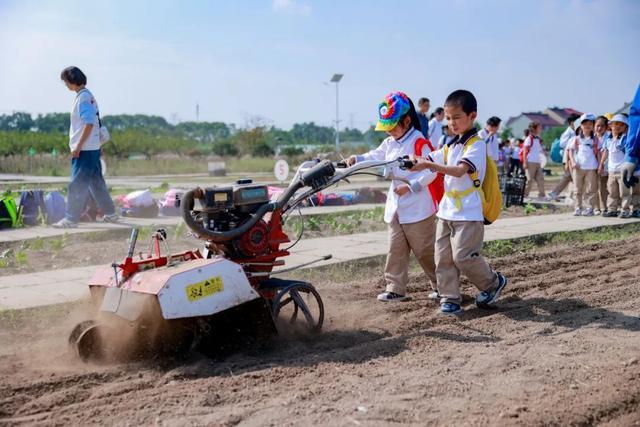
[[292, 7]]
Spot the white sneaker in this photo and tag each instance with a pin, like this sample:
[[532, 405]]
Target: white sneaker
[[113, 218], [65, 223], [588, 212], [434, 295], [391, 297], [597, 212], [577, 212]]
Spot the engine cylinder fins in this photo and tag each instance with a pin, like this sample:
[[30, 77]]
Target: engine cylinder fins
[[298, 308]]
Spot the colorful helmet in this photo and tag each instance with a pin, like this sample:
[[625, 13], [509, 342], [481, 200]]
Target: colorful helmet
[[391, 109]]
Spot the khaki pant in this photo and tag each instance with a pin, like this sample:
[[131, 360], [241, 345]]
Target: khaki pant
[[458, 246], [619, 194], [603, 192], [418, 237], [564, 183], [534, 173], [586, 181]]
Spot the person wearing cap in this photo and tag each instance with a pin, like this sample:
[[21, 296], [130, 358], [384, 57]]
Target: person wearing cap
[[584, 158], [612, 159], [410, 208], [602, 193]]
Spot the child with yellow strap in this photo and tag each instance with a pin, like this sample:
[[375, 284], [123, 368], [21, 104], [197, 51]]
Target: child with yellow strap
[[464, 209]]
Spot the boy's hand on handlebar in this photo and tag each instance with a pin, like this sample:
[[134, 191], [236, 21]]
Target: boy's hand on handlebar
[[421, 163], [402, 190]]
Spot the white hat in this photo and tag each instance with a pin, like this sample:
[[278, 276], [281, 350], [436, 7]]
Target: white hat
[[587, 116], [620, 118]]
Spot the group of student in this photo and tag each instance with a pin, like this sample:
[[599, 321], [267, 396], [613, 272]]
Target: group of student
[[452, 244], [593, 159]]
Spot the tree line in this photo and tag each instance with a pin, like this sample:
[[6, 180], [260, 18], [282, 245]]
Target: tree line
[[21, 133]]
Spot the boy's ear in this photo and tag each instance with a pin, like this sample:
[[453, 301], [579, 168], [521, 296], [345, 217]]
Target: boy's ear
[[474, 115]]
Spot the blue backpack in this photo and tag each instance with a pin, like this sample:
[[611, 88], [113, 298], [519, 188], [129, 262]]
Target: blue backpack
[[54, 207], [556, 151], [31, 206]]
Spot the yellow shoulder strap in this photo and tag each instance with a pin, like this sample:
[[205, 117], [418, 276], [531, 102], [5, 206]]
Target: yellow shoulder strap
[[473, 175]]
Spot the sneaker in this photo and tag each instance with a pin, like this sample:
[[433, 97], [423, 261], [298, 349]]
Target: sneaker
[[113, 218], [577, 212], [391, 297], [487, 298], [450, 309], [625, 215], [65, 223], [587, 212], [636, 214], [609, 214], [553, 197], [597, 212], [434, 295]]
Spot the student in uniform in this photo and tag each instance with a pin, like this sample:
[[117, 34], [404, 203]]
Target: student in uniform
[[602, 133], [611, 161], [460, 229], [410, 209], [584, 158], [533, 152], [490, 136], [435, 125], [567, 136]]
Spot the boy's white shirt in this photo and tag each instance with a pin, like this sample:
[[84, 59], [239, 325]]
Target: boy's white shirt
[[615, 156], [492, 143], [84, 100], [583, 152], [471, 205], [417, 204], [535, 149], [515, 154]]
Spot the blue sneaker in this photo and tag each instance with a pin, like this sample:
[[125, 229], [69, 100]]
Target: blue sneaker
[[450, 309], [487, 298]]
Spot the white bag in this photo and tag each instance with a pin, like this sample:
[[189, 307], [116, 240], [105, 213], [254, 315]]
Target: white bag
[[139, 199]]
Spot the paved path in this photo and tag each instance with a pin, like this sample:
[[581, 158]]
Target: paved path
[[26, 233], [46, 288]]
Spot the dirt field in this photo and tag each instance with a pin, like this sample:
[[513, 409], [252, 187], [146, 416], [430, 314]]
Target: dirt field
[[562, 349]]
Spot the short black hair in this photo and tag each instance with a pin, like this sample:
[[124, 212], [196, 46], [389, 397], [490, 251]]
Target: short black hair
[[439, 110], [423, 100], [494, 121], [73, 75], [572, 118], [463, 99]]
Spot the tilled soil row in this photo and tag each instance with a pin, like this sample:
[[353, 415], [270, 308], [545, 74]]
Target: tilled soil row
[[562, 348]]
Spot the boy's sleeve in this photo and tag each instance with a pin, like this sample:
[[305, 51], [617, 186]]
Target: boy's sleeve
[[632, 147], [475, 156], [379, 153], [87, 110]]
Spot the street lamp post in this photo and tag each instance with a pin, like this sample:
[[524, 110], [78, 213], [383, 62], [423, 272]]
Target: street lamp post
[[336, 79]]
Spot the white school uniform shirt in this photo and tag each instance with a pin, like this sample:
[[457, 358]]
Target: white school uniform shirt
[[515, 154], [84, 112], [435, 130], [535, 149], [416, 205], [567, 136], [492, 142], [615, 153], [601, 147], [583, 152], [476, 157]]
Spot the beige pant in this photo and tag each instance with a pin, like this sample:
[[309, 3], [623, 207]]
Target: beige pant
[[586, 182], [458, 246], [534, 173], [619, 194], [603, 192], [564, 182], [418, 237]]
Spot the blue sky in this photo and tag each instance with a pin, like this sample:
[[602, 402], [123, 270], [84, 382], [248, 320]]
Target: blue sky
[[271, 58]]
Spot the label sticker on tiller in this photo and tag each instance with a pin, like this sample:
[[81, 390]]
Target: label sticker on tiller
[[204, 289]]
